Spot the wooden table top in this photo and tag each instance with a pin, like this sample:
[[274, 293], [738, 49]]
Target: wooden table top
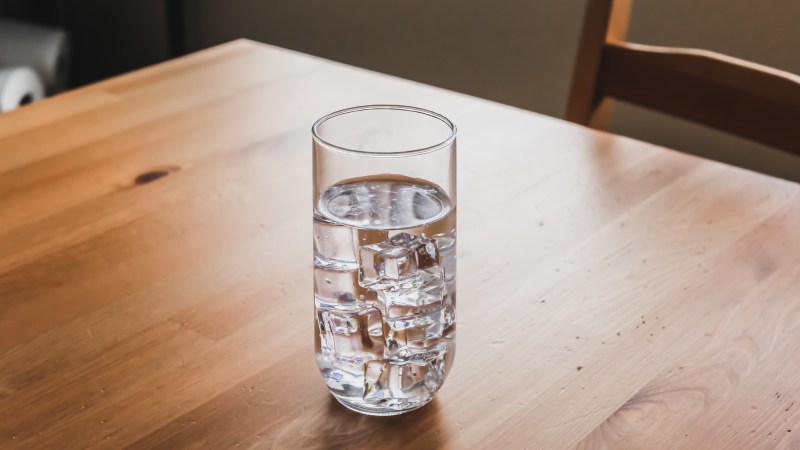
[[156, 283]]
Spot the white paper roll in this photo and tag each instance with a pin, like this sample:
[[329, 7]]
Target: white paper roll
[[19, 86], [43, 49]]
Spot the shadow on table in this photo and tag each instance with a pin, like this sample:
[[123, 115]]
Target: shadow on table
[[337, 427]]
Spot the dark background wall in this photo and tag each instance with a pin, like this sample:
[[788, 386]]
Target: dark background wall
[[108, 37], [518, 52]]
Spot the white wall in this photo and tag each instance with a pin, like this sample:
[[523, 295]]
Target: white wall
[[518, 52]]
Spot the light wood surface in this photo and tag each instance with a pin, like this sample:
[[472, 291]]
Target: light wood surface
[[612, 294], [750, 100]]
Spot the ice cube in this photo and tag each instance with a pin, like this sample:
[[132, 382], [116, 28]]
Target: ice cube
[[427, 318], [436, 371], [397, 301], [352, 335], [344, 378], [323, 340], [426, 253], [414, 341], [396, 261], [376, 380], [386, 380], [337, 289], [333, 247], [364, 236], [408, 341], [446, 244], [449, 316], [416, 333]]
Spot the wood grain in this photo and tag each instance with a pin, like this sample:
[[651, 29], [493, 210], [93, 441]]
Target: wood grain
[[155, 275]]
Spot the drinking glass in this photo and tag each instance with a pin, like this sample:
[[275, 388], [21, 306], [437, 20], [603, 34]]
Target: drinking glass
[[384, 255]]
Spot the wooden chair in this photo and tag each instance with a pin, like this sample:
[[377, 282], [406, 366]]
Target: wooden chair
[[740, 97]]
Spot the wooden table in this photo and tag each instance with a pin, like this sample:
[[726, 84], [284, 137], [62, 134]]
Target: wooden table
[[155, 275]]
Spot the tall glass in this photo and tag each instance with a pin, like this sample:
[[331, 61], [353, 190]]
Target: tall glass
[[384, 255]]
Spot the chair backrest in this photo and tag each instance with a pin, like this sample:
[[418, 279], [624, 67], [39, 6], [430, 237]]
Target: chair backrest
[[740, 97]]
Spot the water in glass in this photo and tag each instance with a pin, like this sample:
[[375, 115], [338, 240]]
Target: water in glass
[[384, 288]]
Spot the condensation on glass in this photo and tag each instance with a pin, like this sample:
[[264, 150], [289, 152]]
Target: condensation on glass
[[384, 255]]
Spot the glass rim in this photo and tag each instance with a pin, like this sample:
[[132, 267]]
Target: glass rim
[[418, 151]]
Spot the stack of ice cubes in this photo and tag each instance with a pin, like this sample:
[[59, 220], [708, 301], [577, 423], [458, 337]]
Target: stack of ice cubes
[[382, 320], [404, 270]]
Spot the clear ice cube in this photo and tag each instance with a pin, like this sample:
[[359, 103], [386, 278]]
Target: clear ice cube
[[423, 333], [365, 236], [387, 381], [334, 248], [340, 290], [396, 261], [414, 334], [449, 317], [427, 319], [446, 244], [352, 335], [413, 341], [436, 367], [345, 379], [401, 300]]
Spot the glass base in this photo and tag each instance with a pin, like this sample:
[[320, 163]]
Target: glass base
[[378, 410]]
